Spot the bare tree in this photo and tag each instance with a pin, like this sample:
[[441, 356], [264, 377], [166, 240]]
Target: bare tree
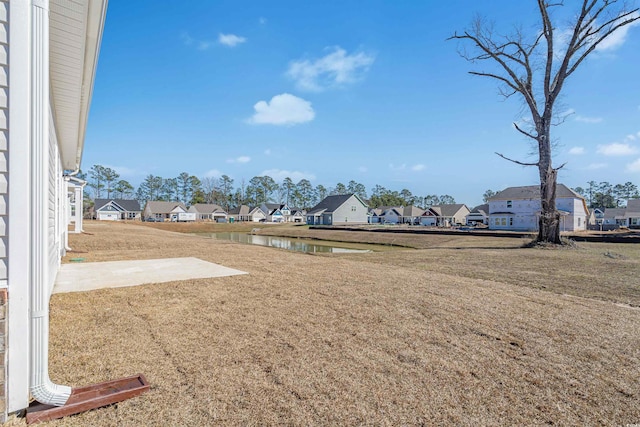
[[535, 67]]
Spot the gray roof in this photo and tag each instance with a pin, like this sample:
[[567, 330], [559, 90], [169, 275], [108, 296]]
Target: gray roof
[[127, 205], [533, 192], [448, 210], [239, 210], [612, 213], [412, 211], [633, 205], [154, 206], [331, 203], [205, 208], [481, 209]]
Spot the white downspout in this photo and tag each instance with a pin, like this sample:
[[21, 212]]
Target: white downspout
[[42, 388]]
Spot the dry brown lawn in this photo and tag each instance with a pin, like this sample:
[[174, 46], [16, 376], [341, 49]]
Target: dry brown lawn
[[460, 332]]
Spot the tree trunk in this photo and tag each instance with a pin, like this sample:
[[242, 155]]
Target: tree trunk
[[549, 222]]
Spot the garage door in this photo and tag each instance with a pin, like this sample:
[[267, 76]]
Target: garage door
[[108, 216]]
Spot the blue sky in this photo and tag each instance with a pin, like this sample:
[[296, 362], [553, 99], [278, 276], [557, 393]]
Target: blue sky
[[334, 91]]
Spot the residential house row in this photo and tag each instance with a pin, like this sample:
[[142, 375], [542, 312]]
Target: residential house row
[[514, 208]]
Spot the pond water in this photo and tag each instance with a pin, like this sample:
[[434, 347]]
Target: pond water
[[292, 244]]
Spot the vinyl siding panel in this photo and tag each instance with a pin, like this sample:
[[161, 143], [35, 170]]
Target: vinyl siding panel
[[4, 137]]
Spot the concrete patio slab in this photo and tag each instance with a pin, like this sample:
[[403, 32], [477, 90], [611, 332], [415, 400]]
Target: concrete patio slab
[[117, 274]]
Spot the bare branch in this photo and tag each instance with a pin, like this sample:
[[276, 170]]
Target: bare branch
[[518, 162], [525, 133], [497, 77], [547, 31], [606, 34], [560, 167], [513, 81]]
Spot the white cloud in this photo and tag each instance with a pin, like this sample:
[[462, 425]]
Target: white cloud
[[576, 150], [284, 109], [634, 166], [630, 137], [594, 166], [279, 175], [267, 152], [417, 167], [241, 159], [616, 149], [230, 40], [584, 119], [397, 167], [262, 20], [362, 169], [618, 37], [213, 173], [333, 70]]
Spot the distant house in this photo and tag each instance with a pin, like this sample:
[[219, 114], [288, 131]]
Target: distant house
[[628, 216], [208, 212], [411, 215], [518, 208], [429, 217], [297, 215], [340, 209], [275, 212], [396, 215], [478, 215], [374, 216], [239, 214], [116, 210], [247, 213], [390, 214], [596, 218], [613, 218], [632, 213], [451, 214], [167, 211]]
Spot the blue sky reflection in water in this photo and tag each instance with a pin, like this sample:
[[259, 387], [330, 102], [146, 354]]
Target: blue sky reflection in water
[[297, 245]]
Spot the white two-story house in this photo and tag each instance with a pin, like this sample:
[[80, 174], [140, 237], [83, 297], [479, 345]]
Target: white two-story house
[[518, 208]]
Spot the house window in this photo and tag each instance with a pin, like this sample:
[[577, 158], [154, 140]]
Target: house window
[[634, 221], [510, 221], [503, 221], [497, 221], [579, 222], [509, 204], [353, 208]]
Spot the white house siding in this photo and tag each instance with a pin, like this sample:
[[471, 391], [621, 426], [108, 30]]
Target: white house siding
[[390, 216], [577, 218], [4, 172], [350, 212], [522, 215], [4, 140], [54, 210]]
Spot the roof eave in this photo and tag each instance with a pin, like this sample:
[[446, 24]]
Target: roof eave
[[72, 144]]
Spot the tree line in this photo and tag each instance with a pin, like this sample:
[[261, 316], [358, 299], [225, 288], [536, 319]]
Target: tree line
[[223, 191], [605, 195]]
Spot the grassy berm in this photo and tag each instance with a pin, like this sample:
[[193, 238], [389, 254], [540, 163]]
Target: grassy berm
[[461, 331]]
